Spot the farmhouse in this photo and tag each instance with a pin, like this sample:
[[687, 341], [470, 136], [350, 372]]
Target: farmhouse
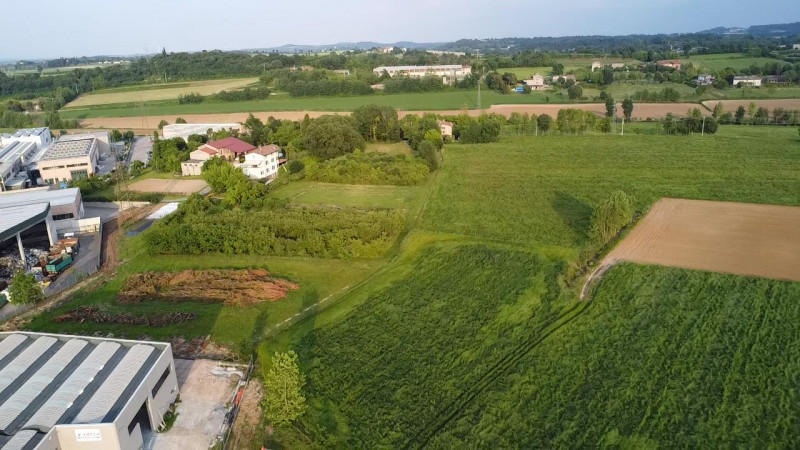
[[71, 393], [449, 73], [704, 80], [536, 82], [600, 65], [228, 148], [259, 167], [232, 149], [446, 128], [184, 130], [749, 80], [69, 160], [671, 63], [775, 79]]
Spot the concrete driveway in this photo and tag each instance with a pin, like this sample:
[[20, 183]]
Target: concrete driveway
[[206, 393], [140, 148]]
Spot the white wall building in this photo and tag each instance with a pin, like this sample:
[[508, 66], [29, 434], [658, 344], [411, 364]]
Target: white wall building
[[102, 137], [449, 73], [68, 160], [750, 80], [184, 130], [536, 83], [259, 167], [39, 136], [82, 393]]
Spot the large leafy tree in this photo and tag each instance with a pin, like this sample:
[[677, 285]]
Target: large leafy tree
[[627, 108], [331, 136], [283, 400], [377, 123]]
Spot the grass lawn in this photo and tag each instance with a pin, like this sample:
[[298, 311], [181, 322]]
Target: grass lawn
[[523, 73], [349, 194], [542, 191], [721, 61], [228, 325], [394, 148]]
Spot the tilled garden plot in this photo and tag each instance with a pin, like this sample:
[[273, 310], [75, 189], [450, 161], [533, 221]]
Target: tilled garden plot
[[232, 287], [96, 315]]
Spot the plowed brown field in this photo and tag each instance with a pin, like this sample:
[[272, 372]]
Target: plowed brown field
[[738, 238]]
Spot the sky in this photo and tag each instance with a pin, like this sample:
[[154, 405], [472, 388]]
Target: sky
[[55, 28]]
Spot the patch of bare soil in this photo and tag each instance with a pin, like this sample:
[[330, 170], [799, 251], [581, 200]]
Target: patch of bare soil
[[246, 427], [232, 287], [739, 238], [96, 315]]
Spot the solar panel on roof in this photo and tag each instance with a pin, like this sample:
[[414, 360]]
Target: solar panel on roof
[[21, 363], [20, 440], [103, 400], [47, 416], [10, 343], [25, 395]]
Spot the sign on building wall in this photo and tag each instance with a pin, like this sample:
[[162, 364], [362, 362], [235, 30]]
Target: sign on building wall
[[88, 435]]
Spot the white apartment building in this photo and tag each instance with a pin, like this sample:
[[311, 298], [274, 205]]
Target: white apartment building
[[260, 167]]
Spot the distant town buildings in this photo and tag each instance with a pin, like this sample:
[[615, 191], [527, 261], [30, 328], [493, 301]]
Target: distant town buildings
[[749, 80], [449, 73], [599, 65], [444, 52]]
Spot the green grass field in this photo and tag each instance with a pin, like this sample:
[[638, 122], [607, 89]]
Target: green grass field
[[662, 358], [721, 61], [349, 194], [542, 191], [394, 148], [523, 73], [446, 100]]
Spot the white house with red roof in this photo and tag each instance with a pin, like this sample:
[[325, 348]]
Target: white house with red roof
[[256, 162]]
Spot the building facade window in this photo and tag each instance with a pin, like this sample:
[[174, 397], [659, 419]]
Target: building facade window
[[79, 174], [63, 216]]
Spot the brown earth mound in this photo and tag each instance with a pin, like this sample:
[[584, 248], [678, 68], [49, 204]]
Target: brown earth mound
[[94, 314], [232, 287]]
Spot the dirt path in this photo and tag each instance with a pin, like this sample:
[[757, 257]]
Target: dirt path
[[245, 429]]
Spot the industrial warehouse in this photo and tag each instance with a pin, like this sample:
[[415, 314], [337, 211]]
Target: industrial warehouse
[[64, 392]]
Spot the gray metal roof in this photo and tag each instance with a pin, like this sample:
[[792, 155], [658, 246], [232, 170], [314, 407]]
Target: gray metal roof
[[27, 132], [68, 149], [16, 219], [48, 380], [56, 197]]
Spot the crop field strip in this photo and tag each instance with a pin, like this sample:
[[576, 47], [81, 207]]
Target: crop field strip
[[613, 375], [163, 92]]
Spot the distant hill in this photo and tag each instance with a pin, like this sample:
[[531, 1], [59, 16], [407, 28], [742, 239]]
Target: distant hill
[[302, 48], [776, 30]]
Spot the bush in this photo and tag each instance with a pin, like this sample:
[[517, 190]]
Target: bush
[[613, 214], [194, 97], [24, 289], [405, 84], [296, 166], [200, 227], [371, 168], [428, 152]]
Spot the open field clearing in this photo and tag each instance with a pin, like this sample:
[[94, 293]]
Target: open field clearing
[[368, 196], [738, 238], [168, 186], [662, 357], [641, 111], [523, 73], [732, 105], [721, 61], [395, 148], [163, 92], [543, 190]]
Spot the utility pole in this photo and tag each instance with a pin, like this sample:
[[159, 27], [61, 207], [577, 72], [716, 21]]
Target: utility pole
[[622, 133], [703, 129], [478, 62]]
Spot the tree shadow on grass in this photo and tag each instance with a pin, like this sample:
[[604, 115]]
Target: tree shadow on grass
[[576, 214]]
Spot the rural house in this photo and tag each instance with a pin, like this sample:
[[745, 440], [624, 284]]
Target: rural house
[[564, 78], [704, 80], [536, 82], [446, 128], [749, 80], [228, 148], [259, 167], [775, 79], [598, 65], [671, 63], [234, 150]]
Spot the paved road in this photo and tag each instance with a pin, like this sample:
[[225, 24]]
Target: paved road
[[140, 148], [105, 163]]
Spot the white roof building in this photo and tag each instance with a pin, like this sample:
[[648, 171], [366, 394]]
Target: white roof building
[[39, 136], [74, 392], [184, 130], [448, 72]]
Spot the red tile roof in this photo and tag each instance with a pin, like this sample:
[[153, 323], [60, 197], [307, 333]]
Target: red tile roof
[[232, 144], [268, 149], [207, 150]]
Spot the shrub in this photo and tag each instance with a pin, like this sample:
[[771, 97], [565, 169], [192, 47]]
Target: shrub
[[296, 166], [428, 152], [194, 97], [613, 214], [371, 168], [331, 136]]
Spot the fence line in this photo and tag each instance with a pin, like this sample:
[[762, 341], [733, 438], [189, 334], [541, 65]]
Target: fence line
[[230, 416]]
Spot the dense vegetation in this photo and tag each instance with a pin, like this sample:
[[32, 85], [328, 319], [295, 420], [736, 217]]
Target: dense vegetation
[[370, 168], [200, 227], [662, 357], [384, 373]]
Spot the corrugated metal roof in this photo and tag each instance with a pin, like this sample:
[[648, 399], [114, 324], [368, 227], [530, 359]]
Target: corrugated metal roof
[[56, 197], [15, 219], [20, 440], [20, 364]]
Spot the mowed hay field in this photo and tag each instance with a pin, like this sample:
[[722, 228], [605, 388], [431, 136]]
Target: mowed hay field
[[738, 238], [721, 61], [542, 191], [158, 92]]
